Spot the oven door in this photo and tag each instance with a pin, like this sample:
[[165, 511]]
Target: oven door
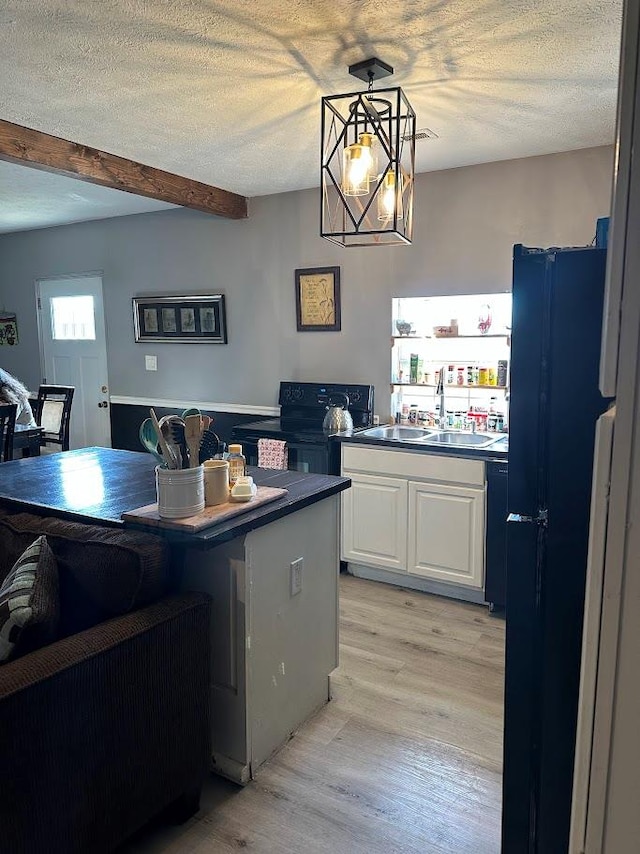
[[307, 456]]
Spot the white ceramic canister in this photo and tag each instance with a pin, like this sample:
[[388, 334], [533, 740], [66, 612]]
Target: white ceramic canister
[[180, 492]]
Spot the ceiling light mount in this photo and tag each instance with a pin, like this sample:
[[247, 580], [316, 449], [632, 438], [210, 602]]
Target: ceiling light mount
[[367, 162], [370, 70]]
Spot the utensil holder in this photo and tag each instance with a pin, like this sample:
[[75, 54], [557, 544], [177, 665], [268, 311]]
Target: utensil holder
[[180, 492]]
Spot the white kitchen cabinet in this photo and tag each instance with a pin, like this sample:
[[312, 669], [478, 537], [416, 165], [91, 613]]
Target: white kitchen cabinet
[[418, 515], [374, 521], [446, 533]]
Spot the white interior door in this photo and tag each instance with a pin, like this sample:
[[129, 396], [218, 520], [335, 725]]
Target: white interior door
[[74, 352]]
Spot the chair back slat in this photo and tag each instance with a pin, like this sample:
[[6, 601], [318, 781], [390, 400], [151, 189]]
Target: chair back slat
[[7, 426], [53, 413]]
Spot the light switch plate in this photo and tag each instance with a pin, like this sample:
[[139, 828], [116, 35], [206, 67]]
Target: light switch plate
[[151, 363]]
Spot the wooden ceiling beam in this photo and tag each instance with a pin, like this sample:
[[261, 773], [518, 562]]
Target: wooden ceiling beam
[[52, 154]]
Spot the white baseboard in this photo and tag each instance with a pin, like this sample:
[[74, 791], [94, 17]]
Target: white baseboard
[[412, 582]]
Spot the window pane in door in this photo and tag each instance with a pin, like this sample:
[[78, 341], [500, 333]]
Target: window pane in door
[[73, 319]]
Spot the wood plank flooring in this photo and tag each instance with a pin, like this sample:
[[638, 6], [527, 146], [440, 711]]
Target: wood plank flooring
[[406, 759]]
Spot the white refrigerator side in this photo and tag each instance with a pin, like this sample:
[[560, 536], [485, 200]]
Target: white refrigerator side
[[591, 635]]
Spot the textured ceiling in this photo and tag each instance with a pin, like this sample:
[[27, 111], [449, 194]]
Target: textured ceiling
[[228, 92]]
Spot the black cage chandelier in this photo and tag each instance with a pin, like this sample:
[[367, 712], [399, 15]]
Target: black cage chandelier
[[368, 159]]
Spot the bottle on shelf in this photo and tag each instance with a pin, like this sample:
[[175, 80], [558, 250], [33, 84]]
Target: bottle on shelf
[[413, 368]]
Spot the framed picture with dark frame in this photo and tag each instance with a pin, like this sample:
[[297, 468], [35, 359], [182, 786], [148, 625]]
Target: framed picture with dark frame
[[318, 299], [195, 319]]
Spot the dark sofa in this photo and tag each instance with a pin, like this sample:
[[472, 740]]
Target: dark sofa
[[107, 726]]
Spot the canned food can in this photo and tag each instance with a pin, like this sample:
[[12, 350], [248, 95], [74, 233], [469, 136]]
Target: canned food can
[[483, 376]]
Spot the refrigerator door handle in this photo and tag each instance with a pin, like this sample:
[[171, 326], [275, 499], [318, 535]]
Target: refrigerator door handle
[[541, 519]]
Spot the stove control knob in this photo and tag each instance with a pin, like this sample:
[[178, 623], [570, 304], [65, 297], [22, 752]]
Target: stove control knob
[[355, 396], [297, 393]]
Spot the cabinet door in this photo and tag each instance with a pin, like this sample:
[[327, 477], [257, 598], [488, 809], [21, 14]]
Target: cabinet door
[[446, 533], [374, 521]]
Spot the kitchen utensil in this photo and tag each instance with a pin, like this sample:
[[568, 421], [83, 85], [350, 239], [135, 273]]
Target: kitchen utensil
[[191, 411], [149, 439], [192, 437], [169, 459], [338, 417], [209, 445], [172, 427]]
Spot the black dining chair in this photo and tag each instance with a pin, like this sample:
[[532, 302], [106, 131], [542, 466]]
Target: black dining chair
[[52, 412], [7, 426]]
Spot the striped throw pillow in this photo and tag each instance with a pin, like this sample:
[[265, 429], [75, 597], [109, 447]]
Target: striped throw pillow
[[29, 606]]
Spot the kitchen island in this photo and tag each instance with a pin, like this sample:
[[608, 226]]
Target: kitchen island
[[272, 573]]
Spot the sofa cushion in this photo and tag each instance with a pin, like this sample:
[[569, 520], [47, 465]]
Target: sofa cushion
[[29, 605], [103, 572]]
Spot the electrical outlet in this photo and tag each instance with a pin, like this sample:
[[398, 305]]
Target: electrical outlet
[[151, 363], [296, 575]]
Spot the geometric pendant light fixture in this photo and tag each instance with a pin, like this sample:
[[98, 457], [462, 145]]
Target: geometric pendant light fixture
[[368, 162]]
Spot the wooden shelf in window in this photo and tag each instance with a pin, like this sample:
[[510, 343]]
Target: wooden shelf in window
[[452, 337], [415, 385], [475, 385]]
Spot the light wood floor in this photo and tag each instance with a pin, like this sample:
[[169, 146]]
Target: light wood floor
[[406, 758]]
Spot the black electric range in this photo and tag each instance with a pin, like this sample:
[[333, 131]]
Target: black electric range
[[303, 407]]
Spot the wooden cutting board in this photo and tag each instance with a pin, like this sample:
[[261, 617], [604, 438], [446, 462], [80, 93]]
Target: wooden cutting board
[[209, 516]]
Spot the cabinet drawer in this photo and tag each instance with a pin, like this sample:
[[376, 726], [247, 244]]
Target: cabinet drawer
[[414, 465]]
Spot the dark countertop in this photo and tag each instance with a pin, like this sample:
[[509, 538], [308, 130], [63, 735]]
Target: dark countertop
[[489, 454], [97, 485]]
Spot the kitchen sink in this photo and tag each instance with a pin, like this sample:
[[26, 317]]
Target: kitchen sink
[[431, 437], [394, 431], [463, 440]]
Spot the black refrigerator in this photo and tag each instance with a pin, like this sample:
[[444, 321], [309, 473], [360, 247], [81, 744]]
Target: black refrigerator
[[555, 403]]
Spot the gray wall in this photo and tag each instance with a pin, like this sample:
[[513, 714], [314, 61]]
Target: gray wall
[[466, 221]]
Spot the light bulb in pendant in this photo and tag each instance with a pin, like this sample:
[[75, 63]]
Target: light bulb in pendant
[[389, 199], [359, 166]]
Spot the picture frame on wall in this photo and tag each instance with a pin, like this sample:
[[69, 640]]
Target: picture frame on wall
[[181, 319], [318, 299]]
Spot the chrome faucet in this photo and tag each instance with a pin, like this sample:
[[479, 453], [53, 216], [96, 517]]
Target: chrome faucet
[[440, 392]]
